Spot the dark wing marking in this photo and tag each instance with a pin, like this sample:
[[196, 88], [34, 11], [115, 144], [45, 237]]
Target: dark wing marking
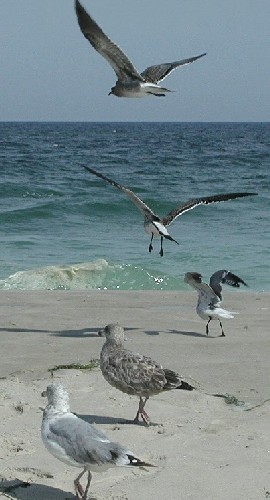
[[137, 462], [189, 205], [233, 280], [174, 381], [122, 66], [227, 277], [155, 74], [146, 211]]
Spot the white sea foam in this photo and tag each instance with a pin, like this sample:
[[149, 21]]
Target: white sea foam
[[67, 277], [94, 275]]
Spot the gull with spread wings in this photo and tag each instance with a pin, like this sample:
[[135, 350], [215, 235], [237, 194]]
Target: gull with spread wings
[[209, 296], [155, 225], [130, 82]]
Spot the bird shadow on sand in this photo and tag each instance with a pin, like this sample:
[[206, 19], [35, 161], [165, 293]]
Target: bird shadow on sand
[[179, 332], [86, 332], [22, 490], [24, 330], [83, 332], [190, 334], [151, 332], [103, 419]]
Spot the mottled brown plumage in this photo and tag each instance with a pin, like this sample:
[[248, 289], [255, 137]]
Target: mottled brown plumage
[[133, 373]]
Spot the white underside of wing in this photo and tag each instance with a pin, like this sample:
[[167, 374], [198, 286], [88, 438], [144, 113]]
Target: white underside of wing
[[155, 228]]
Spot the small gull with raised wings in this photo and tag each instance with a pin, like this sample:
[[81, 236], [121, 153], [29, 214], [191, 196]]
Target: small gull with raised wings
[[130, 82], [209, 296], [155, 225], [78, 443], [133, 373]]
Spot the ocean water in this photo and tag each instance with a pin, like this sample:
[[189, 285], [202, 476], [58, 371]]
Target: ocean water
[[62, 228]]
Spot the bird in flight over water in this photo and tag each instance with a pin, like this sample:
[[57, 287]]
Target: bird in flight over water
[[209, 296], [155, 225], [130, 83]]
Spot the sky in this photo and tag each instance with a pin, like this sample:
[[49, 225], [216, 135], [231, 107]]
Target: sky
[[50, 72]]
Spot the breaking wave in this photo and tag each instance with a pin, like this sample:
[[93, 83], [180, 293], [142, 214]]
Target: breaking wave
[[94, 275]]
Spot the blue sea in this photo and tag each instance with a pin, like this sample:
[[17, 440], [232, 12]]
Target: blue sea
[[63, 228]]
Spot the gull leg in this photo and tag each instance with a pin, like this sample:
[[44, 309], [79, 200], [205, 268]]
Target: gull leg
[[141, 411], [136, 419], [87, 485], [78, 487], [161, 247], [207, 327], [151, 246], [222, 331]]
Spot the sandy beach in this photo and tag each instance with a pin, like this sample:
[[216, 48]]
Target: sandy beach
[[204, 447]]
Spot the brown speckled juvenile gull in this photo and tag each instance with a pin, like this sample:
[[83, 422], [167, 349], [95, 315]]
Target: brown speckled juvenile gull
[[78, 443], [133, 373], [130, 82]]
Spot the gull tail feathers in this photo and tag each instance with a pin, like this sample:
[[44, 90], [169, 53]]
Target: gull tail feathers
[[136, 462], [186, 386], [219, 312], [174, 381], [168, 237]]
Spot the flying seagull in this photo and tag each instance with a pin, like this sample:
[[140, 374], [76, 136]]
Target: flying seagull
[[156, 226], [78, 443], [130, 82], [133, 373], [209, 296]]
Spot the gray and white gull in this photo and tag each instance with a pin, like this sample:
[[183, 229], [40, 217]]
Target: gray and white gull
[[130, 82], [155, 225], [133, 373], [78, 443], [209, 296]]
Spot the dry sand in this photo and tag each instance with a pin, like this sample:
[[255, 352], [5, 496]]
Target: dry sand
[[203, 447]]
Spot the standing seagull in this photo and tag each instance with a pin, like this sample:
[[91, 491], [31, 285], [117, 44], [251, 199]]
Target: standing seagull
[[75, 442], [209, 296], [130, 82], [133, 373], [156, 226]]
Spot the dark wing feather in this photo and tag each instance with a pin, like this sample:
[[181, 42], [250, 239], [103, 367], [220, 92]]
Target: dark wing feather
[[122, 66], [189, 205], [224, 276], [233, 280], [155, 74], [146, 211], [174, 381]]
